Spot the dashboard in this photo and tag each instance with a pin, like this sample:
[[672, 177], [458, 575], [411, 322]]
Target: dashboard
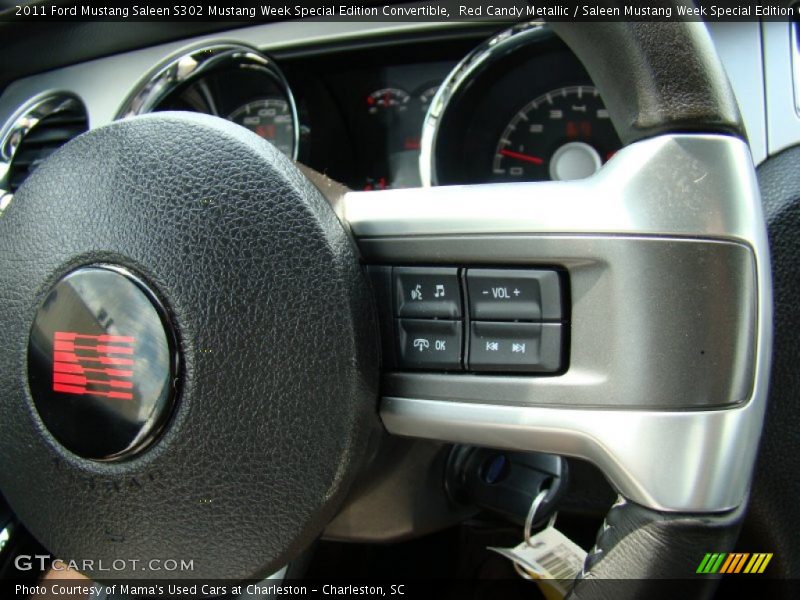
[[371, 106], [360, 117]]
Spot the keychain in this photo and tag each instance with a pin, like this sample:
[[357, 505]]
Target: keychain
[[549, 558]]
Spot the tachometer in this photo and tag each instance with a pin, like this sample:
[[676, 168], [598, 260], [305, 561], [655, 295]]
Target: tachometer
[[270, 118], [561, 135]]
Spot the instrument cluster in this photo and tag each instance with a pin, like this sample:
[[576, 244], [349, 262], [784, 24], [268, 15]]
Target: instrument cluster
[[516, 107]]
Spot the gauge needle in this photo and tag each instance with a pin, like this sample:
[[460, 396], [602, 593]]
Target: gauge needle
[[519, 156], [208, 97]]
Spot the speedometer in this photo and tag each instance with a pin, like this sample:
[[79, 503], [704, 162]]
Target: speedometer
[[561, 135], [231, 81], [270, 118]]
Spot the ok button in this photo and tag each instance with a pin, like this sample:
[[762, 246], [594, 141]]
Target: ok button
[[429, 344]]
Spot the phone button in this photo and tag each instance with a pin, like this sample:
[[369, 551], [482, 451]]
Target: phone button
[[427, 292]]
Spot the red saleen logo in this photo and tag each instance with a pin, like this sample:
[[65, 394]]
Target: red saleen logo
[[93, 365]]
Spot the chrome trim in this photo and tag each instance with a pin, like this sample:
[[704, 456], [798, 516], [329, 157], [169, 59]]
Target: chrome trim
[[671, 461], [794, 42], [699, 188], [481, 58], [191, 64], [5, 200], [5, 536], [279, 574], [21, 123]]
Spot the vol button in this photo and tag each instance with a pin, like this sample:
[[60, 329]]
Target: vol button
[[514, 295]]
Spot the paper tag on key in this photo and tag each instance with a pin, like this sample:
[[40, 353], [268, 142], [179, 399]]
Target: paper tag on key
[[549, 557]]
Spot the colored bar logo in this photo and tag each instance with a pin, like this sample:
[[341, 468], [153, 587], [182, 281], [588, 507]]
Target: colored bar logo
[[734, 562], [93, 365]]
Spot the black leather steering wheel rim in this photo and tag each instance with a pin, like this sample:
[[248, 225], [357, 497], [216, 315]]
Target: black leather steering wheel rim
[[656, 77]]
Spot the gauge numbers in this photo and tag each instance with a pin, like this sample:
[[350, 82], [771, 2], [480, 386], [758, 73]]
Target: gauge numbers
[[271, 119], [561, 135], [387, 100]]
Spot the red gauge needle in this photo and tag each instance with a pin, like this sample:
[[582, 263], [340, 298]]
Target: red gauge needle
[[519, 156]]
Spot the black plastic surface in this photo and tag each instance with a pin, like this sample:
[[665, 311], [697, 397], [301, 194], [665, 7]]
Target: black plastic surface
[[33, 47]]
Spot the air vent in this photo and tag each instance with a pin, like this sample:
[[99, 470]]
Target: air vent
[[41, 129]]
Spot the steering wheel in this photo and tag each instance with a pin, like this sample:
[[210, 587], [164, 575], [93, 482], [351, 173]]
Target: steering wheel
[[239, 294]]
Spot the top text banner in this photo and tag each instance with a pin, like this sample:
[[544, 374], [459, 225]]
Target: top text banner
[[246, 11]]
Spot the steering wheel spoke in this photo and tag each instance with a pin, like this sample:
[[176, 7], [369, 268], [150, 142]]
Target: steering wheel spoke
[[665, 370]]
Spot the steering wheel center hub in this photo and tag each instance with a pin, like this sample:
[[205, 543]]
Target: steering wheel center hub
[[262, 298], [102, 363]]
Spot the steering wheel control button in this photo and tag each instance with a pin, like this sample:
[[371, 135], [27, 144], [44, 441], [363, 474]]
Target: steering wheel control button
[[427, 293], [429, 344], [514, 295], [512, 305], [102, 363], [534, 347]]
